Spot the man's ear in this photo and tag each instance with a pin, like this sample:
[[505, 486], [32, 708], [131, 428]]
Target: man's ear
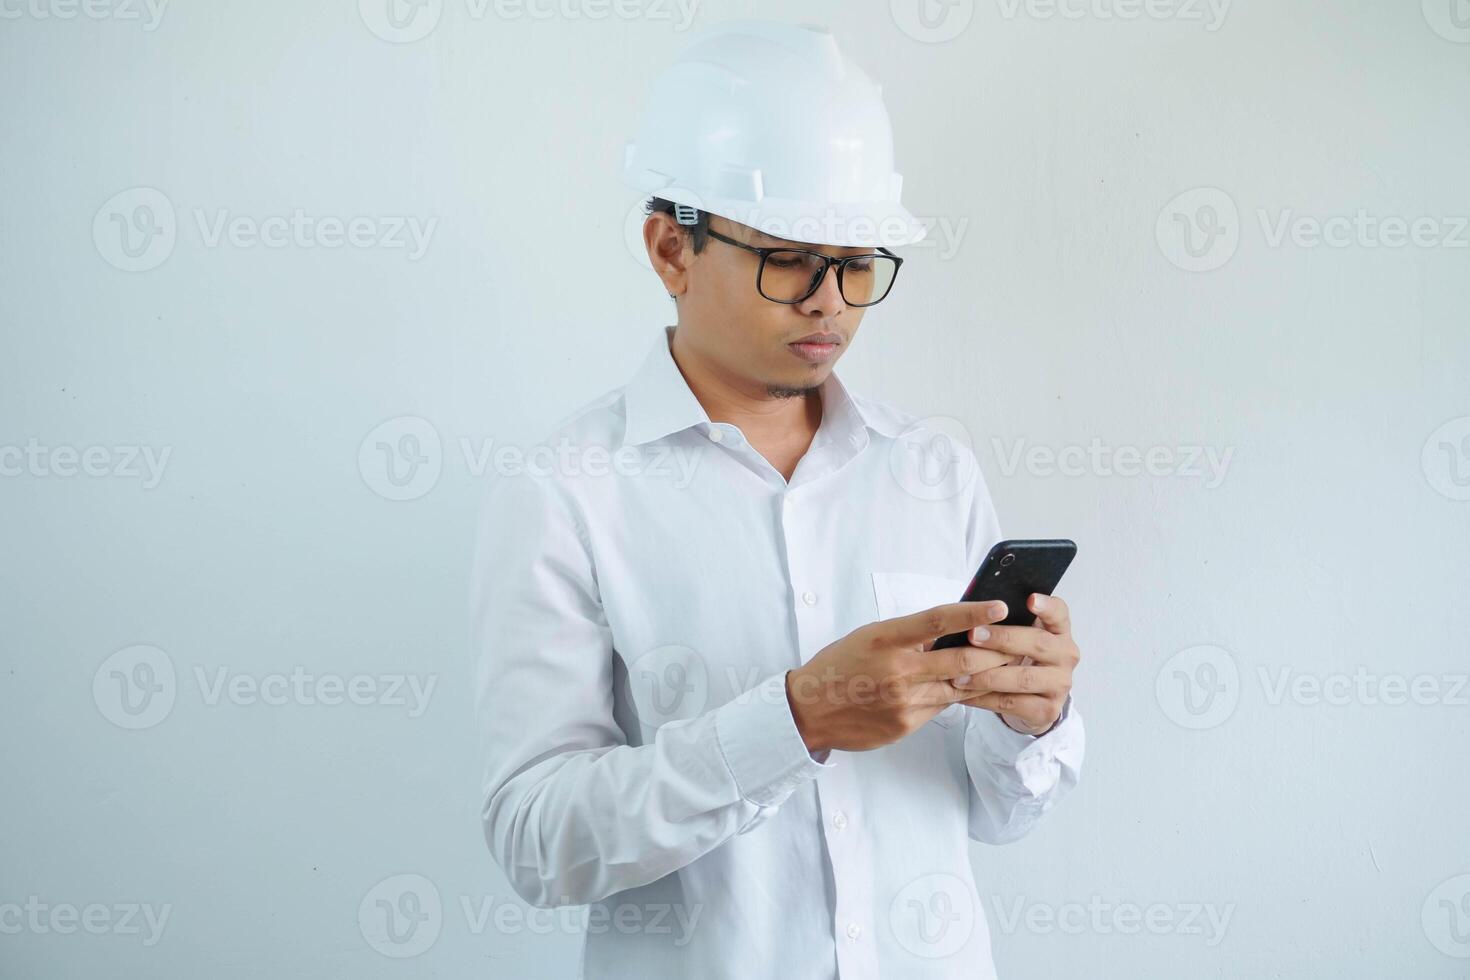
[[669, 251]]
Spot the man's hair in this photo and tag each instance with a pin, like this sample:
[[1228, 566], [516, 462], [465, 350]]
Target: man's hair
[[698, 232]]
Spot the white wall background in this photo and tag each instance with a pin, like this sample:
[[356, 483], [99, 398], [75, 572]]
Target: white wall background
[[1329, 838]]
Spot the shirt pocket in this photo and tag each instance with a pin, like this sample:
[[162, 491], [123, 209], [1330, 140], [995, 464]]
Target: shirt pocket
[[902, 593]]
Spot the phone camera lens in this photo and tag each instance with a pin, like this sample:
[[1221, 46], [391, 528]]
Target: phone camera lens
[[1007, 560]]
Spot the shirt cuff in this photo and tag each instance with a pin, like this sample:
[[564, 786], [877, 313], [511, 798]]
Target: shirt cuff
[[764, 751]]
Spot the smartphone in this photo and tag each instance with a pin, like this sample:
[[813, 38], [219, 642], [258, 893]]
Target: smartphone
[[1011, 572]]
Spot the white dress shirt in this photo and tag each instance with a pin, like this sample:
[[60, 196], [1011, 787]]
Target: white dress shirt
[[638, 600]]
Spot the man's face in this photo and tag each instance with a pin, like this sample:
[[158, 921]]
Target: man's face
[[731, 324]]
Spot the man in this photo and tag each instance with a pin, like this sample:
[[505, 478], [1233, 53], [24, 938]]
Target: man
[[706, 694]]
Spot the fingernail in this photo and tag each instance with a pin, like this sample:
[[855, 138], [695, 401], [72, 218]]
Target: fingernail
[[962, 681], [997, 608], [979, 634], [1038, 602]]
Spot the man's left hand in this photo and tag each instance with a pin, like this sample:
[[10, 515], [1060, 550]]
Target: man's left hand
[[1029, 693]]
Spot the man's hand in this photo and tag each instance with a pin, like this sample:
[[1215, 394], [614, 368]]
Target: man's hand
[[1029, 693], [883, 680]]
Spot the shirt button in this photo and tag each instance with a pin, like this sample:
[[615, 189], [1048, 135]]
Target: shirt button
[[853, 929], [839, 820], [715, 435], [810, 598]]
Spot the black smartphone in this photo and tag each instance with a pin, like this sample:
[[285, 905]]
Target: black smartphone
[[1011, 572]]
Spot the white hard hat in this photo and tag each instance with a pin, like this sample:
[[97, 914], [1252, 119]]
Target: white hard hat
[[771, 126]]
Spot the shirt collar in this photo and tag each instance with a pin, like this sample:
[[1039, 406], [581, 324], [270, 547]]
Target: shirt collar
[[658, 402]]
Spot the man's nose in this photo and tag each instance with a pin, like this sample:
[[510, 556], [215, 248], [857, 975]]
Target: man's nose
[[828, 296]]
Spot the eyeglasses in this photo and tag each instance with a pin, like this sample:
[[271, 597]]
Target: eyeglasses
[[790, 275]]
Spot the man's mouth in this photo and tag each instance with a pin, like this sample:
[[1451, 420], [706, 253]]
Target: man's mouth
[[816, 347]]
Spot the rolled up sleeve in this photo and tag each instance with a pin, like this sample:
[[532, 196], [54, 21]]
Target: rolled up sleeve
[[1014, 777]]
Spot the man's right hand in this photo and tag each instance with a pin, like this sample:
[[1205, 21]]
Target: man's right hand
[[883, 681]]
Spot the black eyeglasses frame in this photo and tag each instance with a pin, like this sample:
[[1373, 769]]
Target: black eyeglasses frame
[[827, 260]]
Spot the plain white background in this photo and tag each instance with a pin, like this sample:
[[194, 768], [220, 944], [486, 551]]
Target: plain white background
[[1274, 650]]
